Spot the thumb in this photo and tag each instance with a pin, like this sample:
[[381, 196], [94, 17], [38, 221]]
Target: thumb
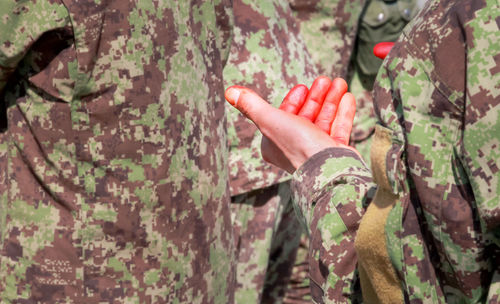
[[248, 103]]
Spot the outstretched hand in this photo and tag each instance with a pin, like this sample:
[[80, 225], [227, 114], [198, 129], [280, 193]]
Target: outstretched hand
[[308, 120]]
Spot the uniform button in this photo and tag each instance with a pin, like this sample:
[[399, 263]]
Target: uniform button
[[407, 12], [380, 17]]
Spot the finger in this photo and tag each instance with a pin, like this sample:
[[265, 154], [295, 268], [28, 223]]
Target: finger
[[342, 125], [328, 110], [315, 98], [249, 103], [295, 99], [382, 49]]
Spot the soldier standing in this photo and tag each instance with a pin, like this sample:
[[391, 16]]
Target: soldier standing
[[113, 168]]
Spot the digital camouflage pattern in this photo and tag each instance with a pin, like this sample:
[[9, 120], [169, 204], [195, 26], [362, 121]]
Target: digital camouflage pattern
[[267, 238], [113, 163], [330, 190], [438, 99], [334, 24], [268, 55]]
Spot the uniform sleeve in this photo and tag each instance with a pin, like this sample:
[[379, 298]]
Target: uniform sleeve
[[480, 151], [481, 135], [22, 23], [330, 191]]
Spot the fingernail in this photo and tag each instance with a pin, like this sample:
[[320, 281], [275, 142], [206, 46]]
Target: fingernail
[[232, 96]]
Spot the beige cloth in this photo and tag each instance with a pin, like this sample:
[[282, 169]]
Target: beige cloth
[[379, 281]]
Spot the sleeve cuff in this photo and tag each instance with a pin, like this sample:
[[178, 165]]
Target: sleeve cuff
[[325, 168]]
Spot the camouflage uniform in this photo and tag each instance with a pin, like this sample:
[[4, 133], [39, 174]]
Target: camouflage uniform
[[268, 55], [434, 212], [113, 163]]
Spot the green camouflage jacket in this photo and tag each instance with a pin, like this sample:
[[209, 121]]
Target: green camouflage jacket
[[113, 162], [329, 28], [435, 156]]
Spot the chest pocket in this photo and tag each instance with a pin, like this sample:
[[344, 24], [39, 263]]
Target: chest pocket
[[382, 20]]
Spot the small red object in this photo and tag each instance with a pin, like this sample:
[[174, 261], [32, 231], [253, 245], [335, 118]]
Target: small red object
[[382, 49]]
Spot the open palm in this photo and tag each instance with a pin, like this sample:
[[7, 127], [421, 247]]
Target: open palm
[[308, 120]]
